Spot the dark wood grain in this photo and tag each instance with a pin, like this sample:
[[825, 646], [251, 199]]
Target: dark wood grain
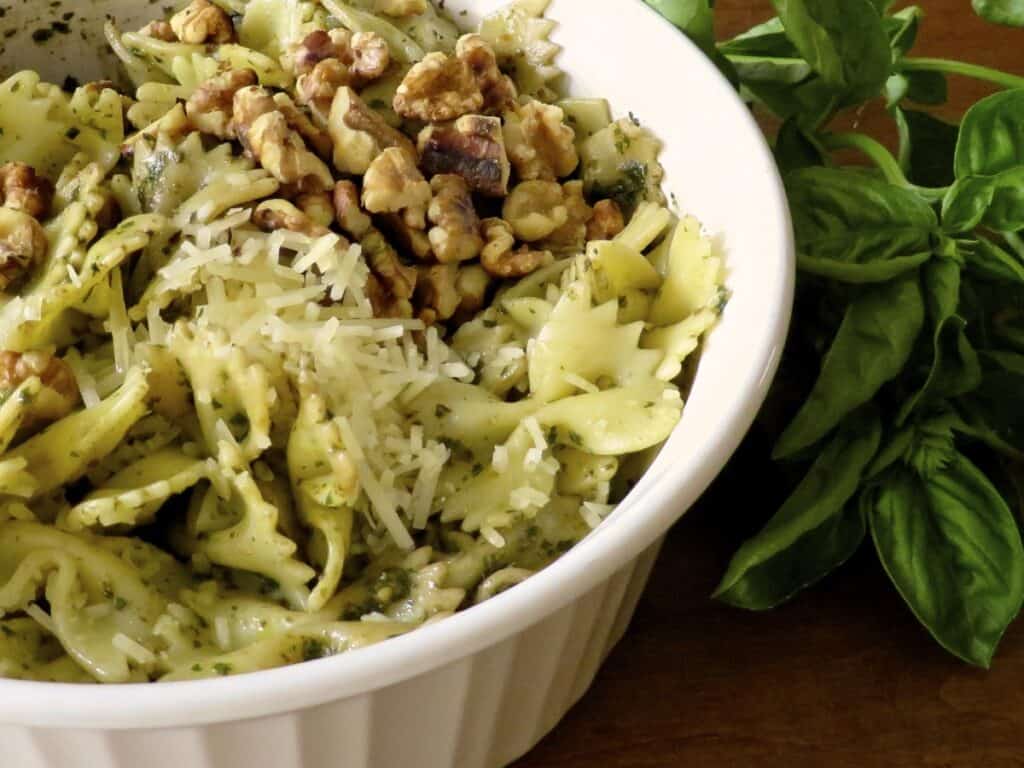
[[843, 677]]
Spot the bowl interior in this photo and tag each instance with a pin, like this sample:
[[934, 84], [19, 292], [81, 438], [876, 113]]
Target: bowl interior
[[718, 168]]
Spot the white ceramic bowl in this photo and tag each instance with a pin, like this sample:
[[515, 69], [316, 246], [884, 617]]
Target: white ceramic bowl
[[481, 688]]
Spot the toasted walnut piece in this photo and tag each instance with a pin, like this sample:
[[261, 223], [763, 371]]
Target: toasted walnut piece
[[211, 106], [319, 46], [24, 190], [499, 258], [535, 209], [539, 143], [572, 235], [278, 148], [347, 213], [435, 290], [159, 30], [360, 134], [455, 235], [472, 147], [393, 184], [203, 22], [607, 221], [317, 88], [23, 246], [409, 239], [386, 264], [471, 285], [370, 56], [383, 303], [318, 206], [272, 215], [299, 122], [61, 394], [498, 89], [437, 89], [400, 7]]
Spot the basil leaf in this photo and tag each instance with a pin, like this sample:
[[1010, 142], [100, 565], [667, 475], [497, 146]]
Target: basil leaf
[[767, 39], [816, 530], [987, 260], [995, 202], [995, 411], [902, 28], [694, 17], [795, 148], [871, 348], [843, 40], [927, 150], [951, 546], [858, 229], [955, 369], [1008, 12], [992, 136]]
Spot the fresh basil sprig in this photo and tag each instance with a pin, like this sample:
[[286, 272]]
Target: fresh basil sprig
[[903, 382]]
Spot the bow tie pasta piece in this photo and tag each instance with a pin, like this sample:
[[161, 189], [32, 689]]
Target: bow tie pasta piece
[[40, 127], [514, 486], [16, 407], [104, 595], [520, 36], [677, 342], [253, 543], [410, 587], [232, 395], [584, 342], [325, 483], [469, 415], [272, 27], [35, 318], [15, 480], [694, 279], [29, 652], [132, 497], [65, 451], [616, 421]]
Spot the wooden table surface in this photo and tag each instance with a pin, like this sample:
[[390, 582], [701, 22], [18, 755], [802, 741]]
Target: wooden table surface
[[841, 677]]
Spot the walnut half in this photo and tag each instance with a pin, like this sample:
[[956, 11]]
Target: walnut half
[[455, 235], [437, 89], [211, 106], [360, 134], [23, 246], [60, 395], [472, 147], [203, 22], [393, 184], [540, 144], [500, 258], [24, 190]]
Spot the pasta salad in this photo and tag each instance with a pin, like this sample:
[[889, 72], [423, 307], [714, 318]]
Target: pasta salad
[[336, 321]]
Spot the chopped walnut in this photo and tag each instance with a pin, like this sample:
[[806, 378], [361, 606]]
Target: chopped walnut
[[409, 239], [318, 206], [383, 303], [360, 134], [607, 221], [472, 147], [498, 89], [347, 212], [436, 293], [317, 88], [386, 264], [272, 215], [203, 22], [572, 235], [370, 57], [455, 235], [53, 373], [22, 189], [299, 122], [393, 184], [278, 148], [471, 285], [499, 258], [437, 89], [535, 209], [23, 246], [319, 46], [540, 144], [159, 30], [400, 7], [211, 106]]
